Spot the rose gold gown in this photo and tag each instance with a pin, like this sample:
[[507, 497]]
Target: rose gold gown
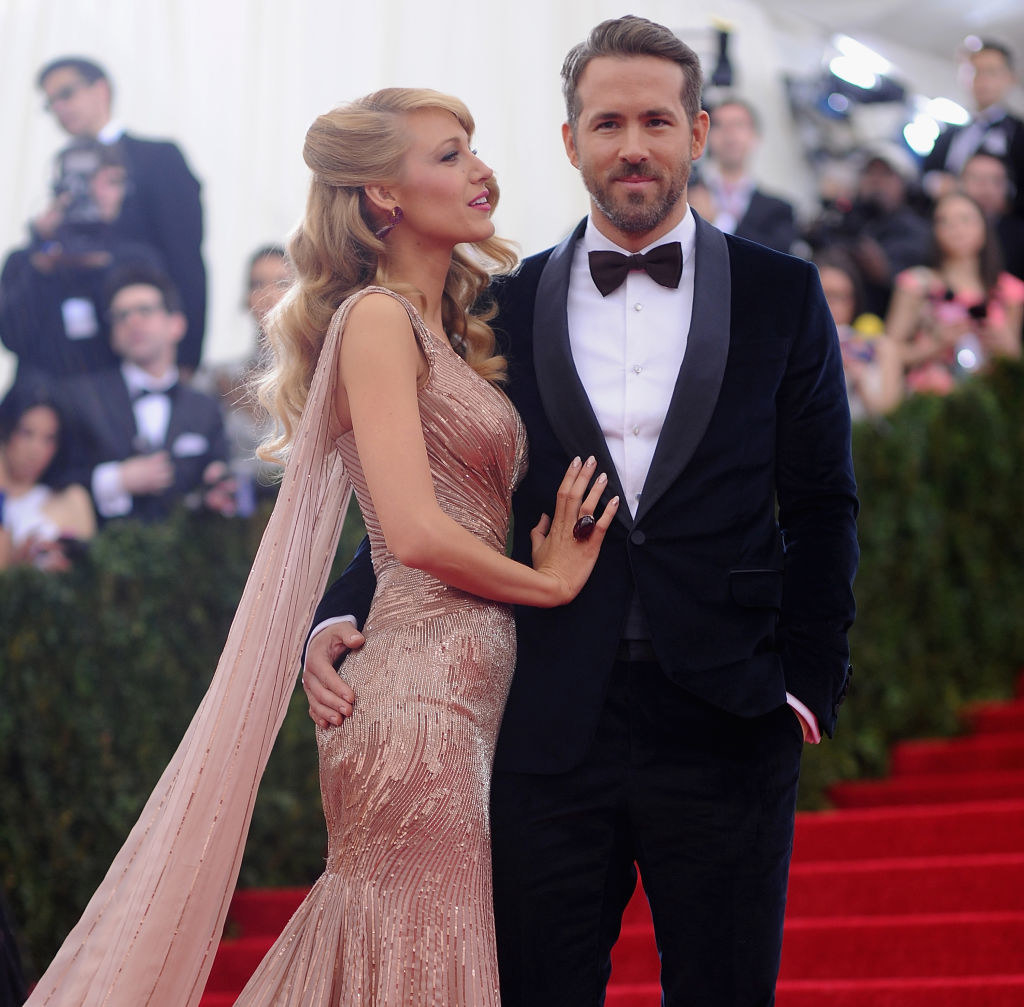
[[403, 914]]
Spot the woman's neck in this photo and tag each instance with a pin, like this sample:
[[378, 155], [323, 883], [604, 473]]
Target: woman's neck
[[961, 273], [426, 270]]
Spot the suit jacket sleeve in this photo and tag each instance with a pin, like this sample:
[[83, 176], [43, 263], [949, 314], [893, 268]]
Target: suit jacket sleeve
[[817, 513], [350, 594], [171, 200]]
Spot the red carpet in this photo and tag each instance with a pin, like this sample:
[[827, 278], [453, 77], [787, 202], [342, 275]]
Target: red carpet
[[909, 894]]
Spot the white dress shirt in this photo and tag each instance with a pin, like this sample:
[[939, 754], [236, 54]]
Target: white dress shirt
[[152, 417], [628, 348]]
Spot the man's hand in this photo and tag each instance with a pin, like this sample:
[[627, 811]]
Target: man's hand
[[145, 474], [331, 698], [220, 489]]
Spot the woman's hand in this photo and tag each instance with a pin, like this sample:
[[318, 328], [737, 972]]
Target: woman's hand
[[558, 553]]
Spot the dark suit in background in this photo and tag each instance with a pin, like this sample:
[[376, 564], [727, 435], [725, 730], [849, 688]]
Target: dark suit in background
[[681, 755], [103, 429], [162, 209], [769, 221]]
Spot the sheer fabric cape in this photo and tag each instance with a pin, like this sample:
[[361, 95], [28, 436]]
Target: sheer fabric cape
[[150, 932]]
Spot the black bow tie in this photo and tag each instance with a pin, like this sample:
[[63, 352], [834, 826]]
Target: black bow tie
[[143, 393], [663, 264]]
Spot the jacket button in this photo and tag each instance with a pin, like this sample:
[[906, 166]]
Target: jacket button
[[637, 538]]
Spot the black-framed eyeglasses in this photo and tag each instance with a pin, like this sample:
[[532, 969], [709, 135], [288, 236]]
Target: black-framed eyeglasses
[[142, 310], [65, 93]]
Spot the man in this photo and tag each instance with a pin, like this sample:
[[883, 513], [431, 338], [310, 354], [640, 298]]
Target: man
[[161, 206], [986, 181], [658, 719], [140, 439], [992, 130], [52, 307], [737, 204]]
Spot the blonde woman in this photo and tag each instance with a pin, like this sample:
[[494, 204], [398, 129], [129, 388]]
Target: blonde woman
[[401, 400]]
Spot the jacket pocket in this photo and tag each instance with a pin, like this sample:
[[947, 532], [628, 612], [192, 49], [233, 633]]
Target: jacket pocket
[[756, 588]]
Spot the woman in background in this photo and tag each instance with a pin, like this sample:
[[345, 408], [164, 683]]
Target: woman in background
[[952, 317], [45, 524]]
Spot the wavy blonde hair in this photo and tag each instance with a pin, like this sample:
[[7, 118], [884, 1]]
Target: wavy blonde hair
[[335, 253]]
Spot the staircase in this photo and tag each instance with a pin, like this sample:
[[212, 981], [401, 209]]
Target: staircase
[[909, 894]]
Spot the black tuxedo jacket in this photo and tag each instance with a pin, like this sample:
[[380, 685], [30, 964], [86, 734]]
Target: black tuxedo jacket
[[101, 428], [768, 221], [162, 208], [1004, 139], [743, 548]]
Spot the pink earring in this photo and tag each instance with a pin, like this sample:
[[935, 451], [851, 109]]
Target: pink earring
[[393, 221]]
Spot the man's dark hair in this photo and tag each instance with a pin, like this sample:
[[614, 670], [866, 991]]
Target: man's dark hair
[[87, 69], [738, 102], [139, 274], [991, 45], [631, 36], [267, 252]]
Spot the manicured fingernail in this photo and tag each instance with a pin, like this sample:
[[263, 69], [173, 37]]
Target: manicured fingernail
[[576, 463], [602, 478], [591, 460]]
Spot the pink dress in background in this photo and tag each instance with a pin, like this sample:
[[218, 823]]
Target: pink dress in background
[[403, 914]]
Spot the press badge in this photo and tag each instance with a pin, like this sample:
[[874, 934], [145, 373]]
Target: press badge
[[79, 318]]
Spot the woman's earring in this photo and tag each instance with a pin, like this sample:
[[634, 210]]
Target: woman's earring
[[393, 221]]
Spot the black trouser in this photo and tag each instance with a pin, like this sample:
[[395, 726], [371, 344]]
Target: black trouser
[[701, 800]]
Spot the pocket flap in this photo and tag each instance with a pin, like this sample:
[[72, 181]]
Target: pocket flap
[[756, 588]]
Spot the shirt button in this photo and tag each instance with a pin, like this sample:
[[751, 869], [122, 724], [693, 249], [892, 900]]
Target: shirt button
[[637, 369], [636, 431], [638, 306]]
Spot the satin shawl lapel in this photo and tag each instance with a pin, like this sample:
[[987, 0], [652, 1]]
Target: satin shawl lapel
[[565, 400], [700, 376]]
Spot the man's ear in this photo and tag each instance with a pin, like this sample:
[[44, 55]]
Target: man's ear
[[570, 145], [178, 326]]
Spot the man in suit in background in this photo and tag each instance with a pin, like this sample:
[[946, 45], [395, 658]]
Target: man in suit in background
[[992, 130], [736, 204], [658, 719], [161, 206], [138, 437]]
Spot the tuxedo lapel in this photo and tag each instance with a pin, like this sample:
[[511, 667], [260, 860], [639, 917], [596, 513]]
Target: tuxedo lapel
[[700, 376], [561, 392]]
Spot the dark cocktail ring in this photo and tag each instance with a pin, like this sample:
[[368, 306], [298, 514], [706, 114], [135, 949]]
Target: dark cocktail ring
[[583, 528]]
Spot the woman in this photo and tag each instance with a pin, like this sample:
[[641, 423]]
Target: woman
[[44, 524], [952, 317], [400, 400], [871, 363]]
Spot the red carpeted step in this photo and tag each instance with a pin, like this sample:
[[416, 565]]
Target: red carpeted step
[[995, 718], [946, 788], [633, 995], [959, 755], [261, 911], [985, 883], [235, 962], [954, 944], [975, 991], [937, 830]]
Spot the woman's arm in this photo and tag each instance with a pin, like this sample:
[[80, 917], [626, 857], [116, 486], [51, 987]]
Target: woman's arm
[[381, 364]]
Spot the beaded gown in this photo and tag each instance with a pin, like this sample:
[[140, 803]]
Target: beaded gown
[[403, 914]]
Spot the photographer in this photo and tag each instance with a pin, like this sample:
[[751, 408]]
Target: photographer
[[161, 208], [52, 291]]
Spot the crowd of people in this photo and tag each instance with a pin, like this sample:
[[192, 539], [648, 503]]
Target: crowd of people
[[922, 261], [110, 413]]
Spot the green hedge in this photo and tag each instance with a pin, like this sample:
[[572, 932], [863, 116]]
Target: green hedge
[[101, 668]]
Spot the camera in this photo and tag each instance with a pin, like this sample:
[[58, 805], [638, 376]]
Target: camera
[[87, 213]]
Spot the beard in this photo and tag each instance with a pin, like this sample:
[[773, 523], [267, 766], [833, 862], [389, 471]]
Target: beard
[[637, 213]]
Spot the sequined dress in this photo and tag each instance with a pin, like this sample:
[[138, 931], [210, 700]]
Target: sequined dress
[[403, 913]]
